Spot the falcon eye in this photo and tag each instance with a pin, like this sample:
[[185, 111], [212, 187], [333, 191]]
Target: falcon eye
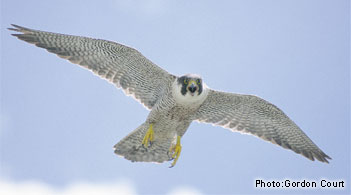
[[185, 81], [198, 81]]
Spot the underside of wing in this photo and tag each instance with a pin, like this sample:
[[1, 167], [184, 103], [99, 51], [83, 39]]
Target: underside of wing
[[253, 115], [123, 66]]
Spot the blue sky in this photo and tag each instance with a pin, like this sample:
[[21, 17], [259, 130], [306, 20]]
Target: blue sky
[[59, 121]]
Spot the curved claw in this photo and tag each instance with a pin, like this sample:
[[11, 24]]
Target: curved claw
[[175, 152], [149, 137]]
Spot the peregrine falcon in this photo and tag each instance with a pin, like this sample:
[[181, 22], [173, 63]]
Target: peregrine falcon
[[174, 102]]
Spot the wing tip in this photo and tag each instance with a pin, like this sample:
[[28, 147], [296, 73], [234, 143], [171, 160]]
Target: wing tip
[[316, 153], [24, 32], [325, 158], [18, 28], [319, 155], [13, 29]]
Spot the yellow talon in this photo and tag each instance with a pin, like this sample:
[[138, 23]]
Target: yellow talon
[[175, 151], [149, 137]]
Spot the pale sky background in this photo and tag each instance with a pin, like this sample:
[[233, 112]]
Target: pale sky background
[[59, 122]]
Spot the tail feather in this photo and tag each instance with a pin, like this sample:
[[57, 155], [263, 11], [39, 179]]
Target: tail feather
[[131, 147]]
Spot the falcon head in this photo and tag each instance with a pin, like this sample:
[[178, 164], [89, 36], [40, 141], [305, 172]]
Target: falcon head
[[190, 84], [189, 90]]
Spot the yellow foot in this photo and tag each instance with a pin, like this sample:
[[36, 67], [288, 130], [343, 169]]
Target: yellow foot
[[149, 137], [175, 151]]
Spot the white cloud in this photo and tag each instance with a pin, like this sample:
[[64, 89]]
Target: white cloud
[[39, 188], [124, 187], [184, 191], [29, 188]]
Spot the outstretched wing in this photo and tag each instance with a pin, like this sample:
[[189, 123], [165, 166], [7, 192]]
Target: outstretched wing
[[253, 115], [121, 65]]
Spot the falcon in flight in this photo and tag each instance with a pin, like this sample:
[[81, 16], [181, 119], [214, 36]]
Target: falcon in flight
[[174, 101]]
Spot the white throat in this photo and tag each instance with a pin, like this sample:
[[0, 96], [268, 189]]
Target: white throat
[[188, 99]]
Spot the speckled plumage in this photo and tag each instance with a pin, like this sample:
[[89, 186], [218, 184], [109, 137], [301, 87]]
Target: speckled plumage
[[174, 101]]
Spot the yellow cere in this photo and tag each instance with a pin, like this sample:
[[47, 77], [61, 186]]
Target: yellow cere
[[192, 82]]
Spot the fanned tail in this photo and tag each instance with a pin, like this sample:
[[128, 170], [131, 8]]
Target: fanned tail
[[131, 147]]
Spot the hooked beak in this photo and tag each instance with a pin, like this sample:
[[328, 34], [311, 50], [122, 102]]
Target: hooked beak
[[192, 88]]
